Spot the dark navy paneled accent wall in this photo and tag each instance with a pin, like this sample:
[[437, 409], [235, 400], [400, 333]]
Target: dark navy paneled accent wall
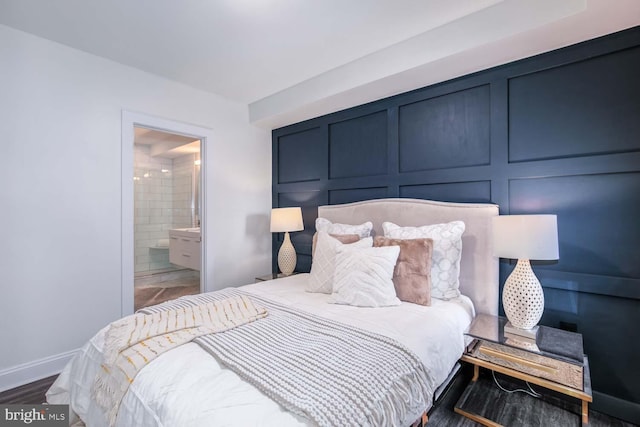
[[358, 147], [299, 154], [587, 113], [447, 131], [557, 133]]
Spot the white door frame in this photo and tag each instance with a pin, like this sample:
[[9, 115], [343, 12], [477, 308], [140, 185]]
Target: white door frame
[[129, 121]]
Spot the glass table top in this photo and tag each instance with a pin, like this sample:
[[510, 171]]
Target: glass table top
[[551, 342]]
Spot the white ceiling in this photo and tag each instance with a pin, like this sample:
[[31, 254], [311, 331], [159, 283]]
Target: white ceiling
[[164, 144], [289, 60]]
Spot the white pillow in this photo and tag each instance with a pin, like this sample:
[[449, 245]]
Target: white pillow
[[447, 251], [362, 230], [324, 259], [363, 277]]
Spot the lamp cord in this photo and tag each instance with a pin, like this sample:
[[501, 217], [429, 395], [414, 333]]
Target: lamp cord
[[530, 392]]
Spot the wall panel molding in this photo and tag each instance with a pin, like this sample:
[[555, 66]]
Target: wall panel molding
[[620, 287], [555, 133], [297, 156], [446, 131], [358, 146], [356, 195], [585, 116], [597, 219], [471, 192]]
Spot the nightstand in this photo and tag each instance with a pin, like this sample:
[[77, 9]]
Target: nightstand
[[272, 276], [555, 360]]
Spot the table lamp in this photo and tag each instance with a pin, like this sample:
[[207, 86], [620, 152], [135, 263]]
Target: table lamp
[[524, 237], [284, 220]]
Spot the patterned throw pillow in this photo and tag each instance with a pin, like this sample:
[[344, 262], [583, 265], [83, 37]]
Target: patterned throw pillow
[[342, 238], [323, 265], [412, 275], [363, 277], [362, 230], [447, 251]]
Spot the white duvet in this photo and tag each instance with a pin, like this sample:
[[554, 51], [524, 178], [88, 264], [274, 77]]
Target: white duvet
[[188, 387]]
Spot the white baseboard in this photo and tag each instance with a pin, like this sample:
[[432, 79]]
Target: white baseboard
[[33, 371]]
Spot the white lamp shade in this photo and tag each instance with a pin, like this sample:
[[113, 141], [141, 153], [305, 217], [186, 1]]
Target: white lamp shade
[[525, 237], [286, 219]]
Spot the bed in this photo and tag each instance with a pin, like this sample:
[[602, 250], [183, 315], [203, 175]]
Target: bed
[[187, 386]]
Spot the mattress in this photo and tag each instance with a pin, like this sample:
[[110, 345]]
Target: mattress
[[187, 386]]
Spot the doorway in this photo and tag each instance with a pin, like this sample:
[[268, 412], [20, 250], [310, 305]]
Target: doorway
[[163, 202], [166, 181]]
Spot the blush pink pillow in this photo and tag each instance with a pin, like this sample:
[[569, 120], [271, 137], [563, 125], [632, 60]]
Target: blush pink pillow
[[412, 274]]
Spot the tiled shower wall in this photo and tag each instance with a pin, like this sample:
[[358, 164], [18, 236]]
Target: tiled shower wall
[[152, 201], [183, 208], [162, 201]]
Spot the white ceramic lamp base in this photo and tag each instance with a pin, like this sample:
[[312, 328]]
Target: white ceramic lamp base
[[530, 334], [287, 258], [523, 300]]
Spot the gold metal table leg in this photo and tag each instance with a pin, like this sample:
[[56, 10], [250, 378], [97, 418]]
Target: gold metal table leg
[[585, 413], [476, 372]]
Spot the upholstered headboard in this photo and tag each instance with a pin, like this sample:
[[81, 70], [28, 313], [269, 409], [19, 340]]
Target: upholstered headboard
[[478, 266]]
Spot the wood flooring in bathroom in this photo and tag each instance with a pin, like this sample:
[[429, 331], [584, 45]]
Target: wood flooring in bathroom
[[164, 291]]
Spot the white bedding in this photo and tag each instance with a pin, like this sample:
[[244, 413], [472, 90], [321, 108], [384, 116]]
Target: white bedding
[[188, 387]]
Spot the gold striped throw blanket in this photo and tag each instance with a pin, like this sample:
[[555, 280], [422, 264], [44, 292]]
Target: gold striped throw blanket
[[329, 372], [134, 341]]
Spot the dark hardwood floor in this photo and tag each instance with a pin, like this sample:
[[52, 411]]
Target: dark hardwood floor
[[515, 409], [531, 411], [32, 393]]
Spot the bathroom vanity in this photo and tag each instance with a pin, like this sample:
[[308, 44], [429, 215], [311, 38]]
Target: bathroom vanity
[[185, 248]]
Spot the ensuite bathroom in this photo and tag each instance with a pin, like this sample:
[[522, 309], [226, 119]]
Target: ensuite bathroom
[[167, 210]]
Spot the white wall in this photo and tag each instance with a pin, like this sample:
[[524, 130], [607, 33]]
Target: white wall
[[60, 193]]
